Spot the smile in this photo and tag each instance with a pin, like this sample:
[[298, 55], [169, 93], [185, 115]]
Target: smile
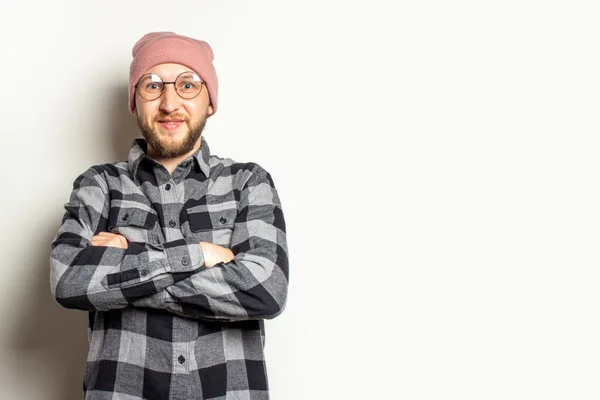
[[170, 125]]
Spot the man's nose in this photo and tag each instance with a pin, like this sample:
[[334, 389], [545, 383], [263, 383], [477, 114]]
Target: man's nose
[[170, 100]]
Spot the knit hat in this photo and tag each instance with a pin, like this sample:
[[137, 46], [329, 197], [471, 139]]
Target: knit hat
[[167, 47]]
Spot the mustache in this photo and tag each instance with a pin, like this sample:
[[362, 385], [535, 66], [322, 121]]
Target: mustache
[[170, 117]]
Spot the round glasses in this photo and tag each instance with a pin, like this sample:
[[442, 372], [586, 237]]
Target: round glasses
[[187, 85]]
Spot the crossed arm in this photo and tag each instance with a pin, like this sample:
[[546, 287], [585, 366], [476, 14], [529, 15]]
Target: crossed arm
[[213, 253], [92, 269]]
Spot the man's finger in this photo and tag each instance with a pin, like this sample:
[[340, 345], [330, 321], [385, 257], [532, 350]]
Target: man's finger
[[105, 234]]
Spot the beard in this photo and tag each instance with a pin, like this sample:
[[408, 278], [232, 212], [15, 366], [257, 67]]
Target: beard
[[169, 149]]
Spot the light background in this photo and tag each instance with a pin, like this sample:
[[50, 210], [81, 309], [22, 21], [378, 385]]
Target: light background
[[437, 163]]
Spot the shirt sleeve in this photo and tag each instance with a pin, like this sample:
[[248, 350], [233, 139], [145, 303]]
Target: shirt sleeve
[[254, 285], [101, 278]]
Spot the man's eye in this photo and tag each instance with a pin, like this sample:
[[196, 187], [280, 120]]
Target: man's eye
[[153, 86], [187, 86]]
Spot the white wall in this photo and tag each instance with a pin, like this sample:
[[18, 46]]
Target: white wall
[[438, 164]]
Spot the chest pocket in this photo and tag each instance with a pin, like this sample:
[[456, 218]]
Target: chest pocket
[[135, 223], [212, 226]]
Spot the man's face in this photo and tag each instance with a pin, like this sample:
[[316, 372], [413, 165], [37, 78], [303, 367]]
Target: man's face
[[170, 124]]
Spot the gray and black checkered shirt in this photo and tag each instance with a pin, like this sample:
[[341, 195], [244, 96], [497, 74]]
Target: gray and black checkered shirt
[[161, 324]]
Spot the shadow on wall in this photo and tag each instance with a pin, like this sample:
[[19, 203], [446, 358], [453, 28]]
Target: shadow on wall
[[122, 127], [50, 342]]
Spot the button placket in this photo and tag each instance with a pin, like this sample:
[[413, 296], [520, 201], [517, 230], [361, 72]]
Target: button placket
[[168, 191], [181, 355], [170, 196]]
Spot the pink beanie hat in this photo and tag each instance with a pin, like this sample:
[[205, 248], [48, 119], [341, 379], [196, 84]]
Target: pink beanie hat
[[167, 47]]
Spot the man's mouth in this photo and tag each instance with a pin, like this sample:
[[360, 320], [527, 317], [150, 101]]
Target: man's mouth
[[170, 124]]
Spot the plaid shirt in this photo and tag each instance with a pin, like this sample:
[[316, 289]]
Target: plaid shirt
[[161, 324]]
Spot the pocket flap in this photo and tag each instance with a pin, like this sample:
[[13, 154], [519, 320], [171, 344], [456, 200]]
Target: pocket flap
[[132, 217], [201, 219]]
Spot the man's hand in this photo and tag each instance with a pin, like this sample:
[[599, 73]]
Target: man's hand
[[107, 239], [214, 254]]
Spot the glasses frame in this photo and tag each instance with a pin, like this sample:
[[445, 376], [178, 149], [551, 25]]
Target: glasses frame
[[164, 86]]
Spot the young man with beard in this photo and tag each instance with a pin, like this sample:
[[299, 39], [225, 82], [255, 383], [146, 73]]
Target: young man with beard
[[178, 255]]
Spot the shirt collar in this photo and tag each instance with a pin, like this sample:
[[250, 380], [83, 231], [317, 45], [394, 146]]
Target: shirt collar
[[137, 153]]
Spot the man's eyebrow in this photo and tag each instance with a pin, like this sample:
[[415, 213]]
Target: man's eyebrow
[[185, 74], [188, 73], [151, 76]]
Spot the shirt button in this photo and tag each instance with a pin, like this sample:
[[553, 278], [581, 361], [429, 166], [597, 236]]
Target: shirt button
[[125, 217], [144, 272], [181, 359], [184, 261], [223, 220], [168, 186], [172, 224]]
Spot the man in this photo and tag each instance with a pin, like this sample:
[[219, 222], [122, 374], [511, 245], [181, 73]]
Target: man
[[177, 254]]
